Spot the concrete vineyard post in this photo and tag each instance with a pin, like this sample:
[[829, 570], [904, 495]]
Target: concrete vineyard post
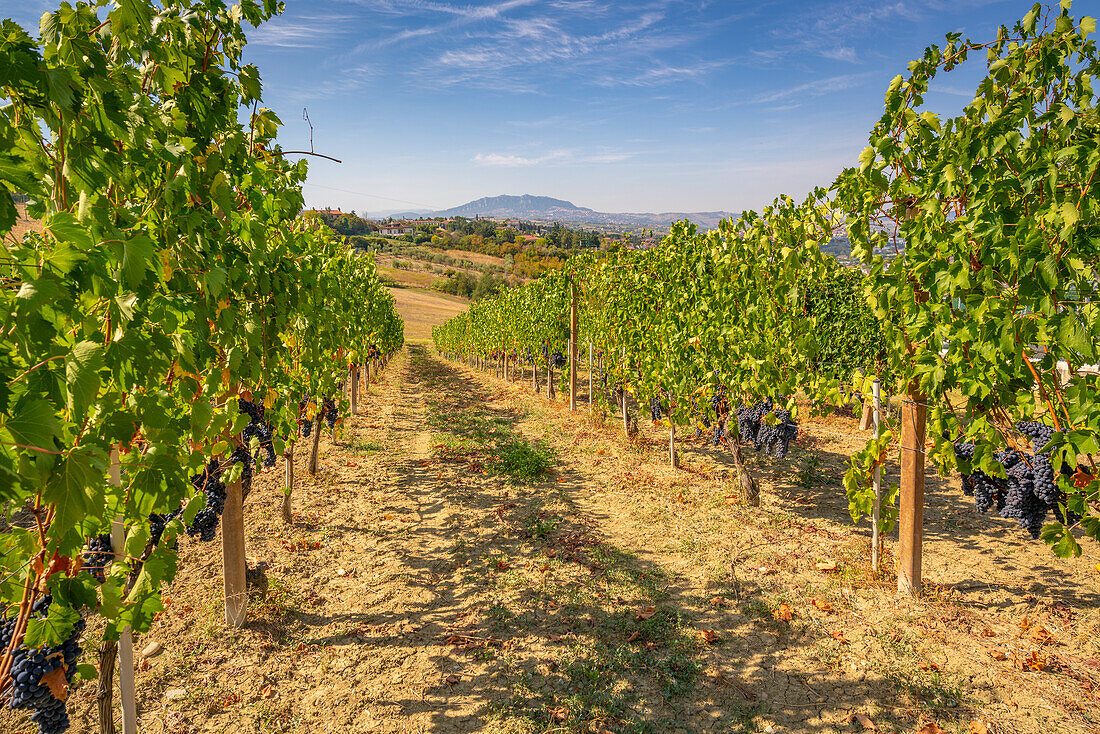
[[572, 346], [876, 538], [233, 560], [914, 414]]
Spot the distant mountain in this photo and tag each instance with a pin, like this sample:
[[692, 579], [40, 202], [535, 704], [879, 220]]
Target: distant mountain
[[548, 209]]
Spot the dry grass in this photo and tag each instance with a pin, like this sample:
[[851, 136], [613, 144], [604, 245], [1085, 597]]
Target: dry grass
[[422, 309], [475, 257], [418, 591]]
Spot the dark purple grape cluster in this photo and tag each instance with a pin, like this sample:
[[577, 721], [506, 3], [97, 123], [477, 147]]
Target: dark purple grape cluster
[[1029, 489], [304, 423], [775, 440], [30, 665], [988, 491], [259, 428], [656, 409], [719, 433], [749, 418], [772, 438], [559, 359], [210, 483], [1039, 433], [241, 455], [719, 403], [97, 555], [157, 524], [328, 412]]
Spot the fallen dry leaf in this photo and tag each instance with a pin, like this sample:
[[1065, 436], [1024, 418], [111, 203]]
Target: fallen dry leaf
[[647, 612], [633, 636], [1034, 661], [987, 633], [266, 692], [452, 679], [784, 612], [930, 728], [826, 566], [998, 655], [863, 720], [839, 637], [718, 601], [822, 604], [708, 636], [977, 726], [1042, 635]]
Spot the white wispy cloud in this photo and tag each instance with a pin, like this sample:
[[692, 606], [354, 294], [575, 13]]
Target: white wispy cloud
[[663, 74], [954, 91], [816, 88], [825, 29], [508, 160], [301, 32], [342, 82], [840, 53]]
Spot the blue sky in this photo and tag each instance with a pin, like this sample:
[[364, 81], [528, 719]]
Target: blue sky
[[643, 105]]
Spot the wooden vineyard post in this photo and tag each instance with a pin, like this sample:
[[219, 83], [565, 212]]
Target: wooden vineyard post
[[354, 390], [233, 561], [125, 646], [549, 373], [866, 418], [589, 373], [288, 487], [876, 539], [572, 347], [626, 422], [672, 459], [535, 375], [316, 444], [914, 414], [343, 387]]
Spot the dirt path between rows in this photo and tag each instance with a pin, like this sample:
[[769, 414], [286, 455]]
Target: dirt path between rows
[[423, 588]]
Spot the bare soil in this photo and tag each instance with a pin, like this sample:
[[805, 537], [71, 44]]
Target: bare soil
[[421, 588]]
